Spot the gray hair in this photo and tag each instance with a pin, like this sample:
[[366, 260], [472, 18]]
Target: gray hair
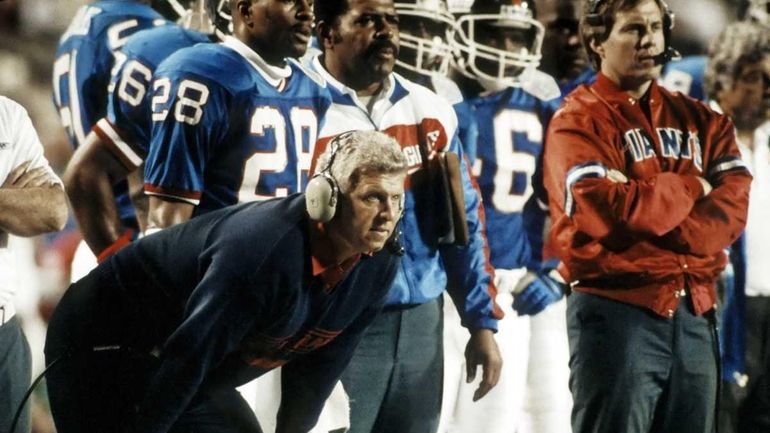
[[739, 44], [358, 153]]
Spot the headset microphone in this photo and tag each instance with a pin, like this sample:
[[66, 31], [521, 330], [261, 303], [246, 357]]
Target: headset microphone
[[666, 56]]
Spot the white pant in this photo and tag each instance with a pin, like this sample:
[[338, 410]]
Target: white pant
[[82, 262], [532, 395]]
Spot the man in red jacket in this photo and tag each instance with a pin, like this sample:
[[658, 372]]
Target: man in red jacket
[[646, 190]]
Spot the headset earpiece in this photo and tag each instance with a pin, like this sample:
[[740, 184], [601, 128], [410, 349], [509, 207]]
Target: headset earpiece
[[321, 197], [322, 191]]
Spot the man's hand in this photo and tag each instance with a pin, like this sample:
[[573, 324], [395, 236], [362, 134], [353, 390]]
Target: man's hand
[[20, 177], [537, 290], [706, 186], [482, 349]]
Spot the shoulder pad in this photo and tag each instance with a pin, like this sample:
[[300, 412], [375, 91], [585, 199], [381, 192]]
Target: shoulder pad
[[447, 89], [540, 85]]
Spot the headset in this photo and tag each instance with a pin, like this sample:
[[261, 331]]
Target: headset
[[322, 194], [322, 191], [595, 19]]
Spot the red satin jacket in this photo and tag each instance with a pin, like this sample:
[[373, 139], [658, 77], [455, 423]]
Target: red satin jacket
[[643, 241]]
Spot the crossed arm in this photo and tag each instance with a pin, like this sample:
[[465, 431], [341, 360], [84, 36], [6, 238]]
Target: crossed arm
[[32, 202]]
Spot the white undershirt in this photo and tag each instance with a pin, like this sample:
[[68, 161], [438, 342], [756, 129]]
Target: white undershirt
[[275, 75], [758, 225]]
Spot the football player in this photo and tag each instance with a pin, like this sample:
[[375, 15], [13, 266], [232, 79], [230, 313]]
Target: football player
[[424, 55], [500, 47], [394, 380], [564, 57], [88, 53], [119, 141], [235, 121]]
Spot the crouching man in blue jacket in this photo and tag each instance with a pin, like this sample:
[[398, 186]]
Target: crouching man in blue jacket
[[157, 338]]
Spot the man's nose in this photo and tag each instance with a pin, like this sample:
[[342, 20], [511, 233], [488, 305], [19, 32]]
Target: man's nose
[[305, 10], [385, 29], [391, 210]]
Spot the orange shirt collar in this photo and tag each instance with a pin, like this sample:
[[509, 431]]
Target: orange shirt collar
[[330, 273]]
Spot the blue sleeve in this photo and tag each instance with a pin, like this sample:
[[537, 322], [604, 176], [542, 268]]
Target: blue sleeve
[[467, 129], [190, 116], [219, 313], [732, 336], [469, 272], [128, 103]]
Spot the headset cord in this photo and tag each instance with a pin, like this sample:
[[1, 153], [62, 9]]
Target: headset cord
[[20, 409]]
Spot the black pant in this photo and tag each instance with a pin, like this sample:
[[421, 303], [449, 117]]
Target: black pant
[[632, 371], [101, 336], [754, 411]]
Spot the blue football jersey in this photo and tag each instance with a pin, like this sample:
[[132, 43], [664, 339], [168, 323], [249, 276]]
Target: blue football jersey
[[127, 126], [85, 58], [223, 134], [686, 76], [587, 77], [511, 126]]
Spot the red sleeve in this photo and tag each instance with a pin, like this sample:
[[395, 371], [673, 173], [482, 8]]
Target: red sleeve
[[717, 220], [578, 157]]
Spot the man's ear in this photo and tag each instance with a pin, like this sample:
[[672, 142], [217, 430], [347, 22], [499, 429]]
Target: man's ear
[[243, 8], [327, 34], [597, 47]]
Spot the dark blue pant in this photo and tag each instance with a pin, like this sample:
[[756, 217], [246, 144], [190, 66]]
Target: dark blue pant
[[394, 380], [98, 390], [15, 375], [632, 371]]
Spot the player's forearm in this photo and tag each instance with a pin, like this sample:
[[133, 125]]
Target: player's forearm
[[94, 208], [166, 213], [32, 211]]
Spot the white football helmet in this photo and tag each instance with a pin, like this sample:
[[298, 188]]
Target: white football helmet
[[759, 11], [498, 42], [425, 29], [219, 11]]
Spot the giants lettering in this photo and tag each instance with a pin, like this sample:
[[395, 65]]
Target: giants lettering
[[674, 144]]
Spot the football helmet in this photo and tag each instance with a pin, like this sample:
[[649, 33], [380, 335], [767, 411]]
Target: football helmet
[[219, 11], [425, 28], [190, 14], [498, 42], [759, 11]]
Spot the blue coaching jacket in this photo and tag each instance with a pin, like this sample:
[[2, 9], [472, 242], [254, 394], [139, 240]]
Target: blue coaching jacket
[[237, 296]]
